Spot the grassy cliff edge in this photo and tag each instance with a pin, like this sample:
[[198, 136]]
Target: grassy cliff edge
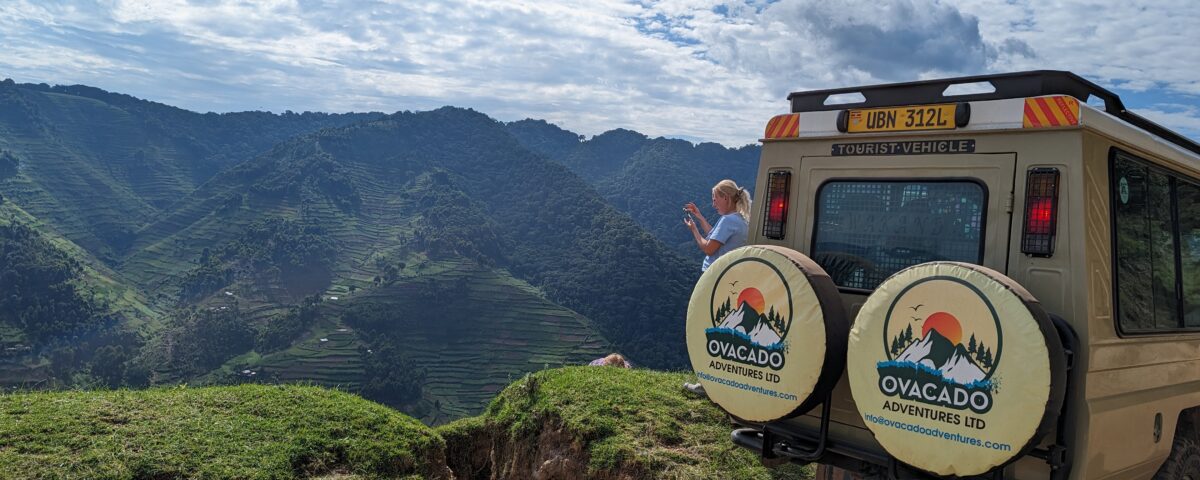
[[574, 422], [247, 431], [602, 422]]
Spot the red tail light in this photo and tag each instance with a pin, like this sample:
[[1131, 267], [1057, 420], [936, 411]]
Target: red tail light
[[775, 223], [1041, 212]]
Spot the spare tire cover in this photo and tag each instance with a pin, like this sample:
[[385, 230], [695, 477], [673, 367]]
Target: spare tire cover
[[766, 333], [955, 368]]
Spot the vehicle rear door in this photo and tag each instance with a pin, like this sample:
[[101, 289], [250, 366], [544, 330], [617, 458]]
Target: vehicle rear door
[[870, 216]]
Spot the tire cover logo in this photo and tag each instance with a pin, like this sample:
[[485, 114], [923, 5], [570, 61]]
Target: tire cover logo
[[745, 328], [940, 357], [949, 369], [756, 334]]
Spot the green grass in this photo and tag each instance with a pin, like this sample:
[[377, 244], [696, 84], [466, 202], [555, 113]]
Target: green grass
[[636, 422], [246, 431], [611, 422]]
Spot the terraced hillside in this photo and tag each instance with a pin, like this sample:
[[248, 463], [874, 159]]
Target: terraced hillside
[[647, 178], [493, 329], [398, 194], [421, 259], [49, 282], [108, 287]]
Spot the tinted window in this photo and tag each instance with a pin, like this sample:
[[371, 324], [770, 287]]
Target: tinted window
[[1157, 247], [1133, 264], [1189, 250], [867, 230], [1162, 252]]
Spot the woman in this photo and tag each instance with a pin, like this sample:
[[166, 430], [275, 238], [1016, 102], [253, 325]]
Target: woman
[[612, 360], [733, 204]]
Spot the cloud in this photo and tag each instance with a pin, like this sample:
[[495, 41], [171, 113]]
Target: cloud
[[684, 68], [1183, 118], [890, 39], [1132, 45]]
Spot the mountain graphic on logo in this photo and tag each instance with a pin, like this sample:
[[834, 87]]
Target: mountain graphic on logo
[[747, 321], [950, 359]]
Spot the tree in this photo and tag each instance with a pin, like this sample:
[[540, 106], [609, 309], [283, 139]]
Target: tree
[[39, 285], [108, 364], [980, 355], [776, 321], [392, 377], [723, 311]]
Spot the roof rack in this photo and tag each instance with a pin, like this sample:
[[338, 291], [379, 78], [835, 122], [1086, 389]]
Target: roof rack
[[1007, 85]]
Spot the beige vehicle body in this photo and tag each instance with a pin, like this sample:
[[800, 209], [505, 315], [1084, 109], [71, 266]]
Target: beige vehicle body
[[1129, 389]]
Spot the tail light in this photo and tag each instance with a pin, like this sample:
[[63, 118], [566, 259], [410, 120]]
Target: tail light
[[775, 223], [1041, 212]]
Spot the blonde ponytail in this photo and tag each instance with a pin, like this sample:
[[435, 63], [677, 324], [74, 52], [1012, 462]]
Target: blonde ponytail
[[740, 196], [743, 204]]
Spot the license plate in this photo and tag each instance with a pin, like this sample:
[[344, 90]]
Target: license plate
[[900, 119]]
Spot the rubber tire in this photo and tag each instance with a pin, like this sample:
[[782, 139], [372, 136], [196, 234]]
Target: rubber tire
[[1184, 461], [828, 472]]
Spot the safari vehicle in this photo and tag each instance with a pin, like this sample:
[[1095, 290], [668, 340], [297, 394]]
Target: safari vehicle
[[997, 283]]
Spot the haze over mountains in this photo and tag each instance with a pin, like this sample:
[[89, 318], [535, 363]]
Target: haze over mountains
[[648, 179], [421, 259]]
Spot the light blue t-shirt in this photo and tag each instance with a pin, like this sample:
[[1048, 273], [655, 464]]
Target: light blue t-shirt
[[731, 230]]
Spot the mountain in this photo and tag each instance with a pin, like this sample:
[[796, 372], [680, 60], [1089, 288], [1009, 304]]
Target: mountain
[[421, 259], [937, 352], [545, 138], [748, 321], [97, 166], [409, 189], [650, 179]]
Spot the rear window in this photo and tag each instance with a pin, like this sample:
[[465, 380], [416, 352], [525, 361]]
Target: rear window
[[867, 230]]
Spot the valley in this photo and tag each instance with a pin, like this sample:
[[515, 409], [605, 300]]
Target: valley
[[420, 259]]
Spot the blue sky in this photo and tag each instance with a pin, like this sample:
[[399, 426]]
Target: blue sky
[[700, 70]]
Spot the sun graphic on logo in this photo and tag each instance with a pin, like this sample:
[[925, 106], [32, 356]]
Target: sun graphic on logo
[[753, 298], [946, 325]]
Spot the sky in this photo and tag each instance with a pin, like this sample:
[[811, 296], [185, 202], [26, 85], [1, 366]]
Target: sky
[[692, 69]]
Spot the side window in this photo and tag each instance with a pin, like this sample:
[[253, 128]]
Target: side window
[[1157, 247], [867, 230], [1189, 250], [1133, 266]]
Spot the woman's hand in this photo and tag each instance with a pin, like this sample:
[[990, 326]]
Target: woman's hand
[[688, 221], [700, 222]]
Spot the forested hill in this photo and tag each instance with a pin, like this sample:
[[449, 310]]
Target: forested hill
[[98, 165], [423, 260], [459, 185], [648, 178]]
